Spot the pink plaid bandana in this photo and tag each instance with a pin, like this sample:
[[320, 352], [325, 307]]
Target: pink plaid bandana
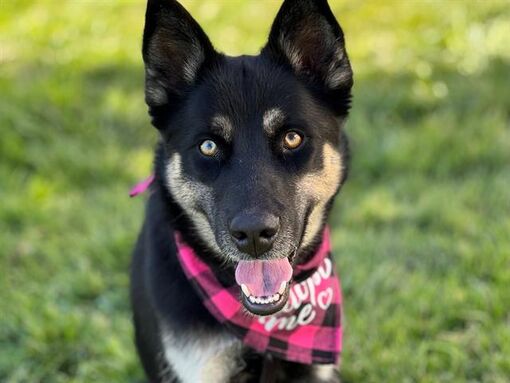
[[307, 330]]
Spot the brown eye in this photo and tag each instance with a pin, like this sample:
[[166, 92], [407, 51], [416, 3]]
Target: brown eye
[[292, 140], [208, 148]]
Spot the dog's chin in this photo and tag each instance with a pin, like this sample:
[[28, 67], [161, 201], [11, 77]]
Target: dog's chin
[[262, 306]]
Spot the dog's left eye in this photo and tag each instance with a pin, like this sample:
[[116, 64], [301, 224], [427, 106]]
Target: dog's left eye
[[208, 148], [292, 140]]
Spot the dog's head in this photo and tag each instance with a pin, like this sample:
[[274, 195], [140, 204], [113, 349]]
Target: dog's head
[[253, 150]]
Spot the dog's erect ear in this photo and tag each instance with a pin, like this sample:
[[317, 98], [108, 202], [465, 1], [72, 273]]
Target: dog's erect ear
[[175, 51], [306, 36]]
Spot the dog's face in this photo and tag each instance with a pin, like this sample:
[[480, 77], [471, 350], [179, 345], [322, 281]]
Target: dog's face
[[254, 148]]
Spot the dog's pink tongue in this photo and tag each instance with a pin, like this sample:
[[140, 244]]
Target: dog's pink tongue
[[263, 278]]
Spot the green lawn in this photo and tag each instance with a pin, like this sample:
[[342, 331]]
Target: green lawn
[[421, 230]]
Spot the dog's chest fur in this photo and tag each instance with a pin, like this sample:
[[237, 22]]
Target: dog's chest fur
[[202, 357], [218, 358]]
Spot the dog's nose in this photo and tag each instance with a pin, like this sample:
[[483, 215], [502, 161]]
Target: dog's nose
[[254, 234]]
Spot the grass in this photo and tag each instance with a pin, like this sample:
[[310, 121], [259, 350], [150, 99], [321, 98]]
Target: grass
[[421, 230]]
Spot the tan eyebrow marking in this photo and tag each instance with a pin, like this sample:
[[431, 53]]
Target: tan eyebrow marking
[[272, 119], [222, 126]]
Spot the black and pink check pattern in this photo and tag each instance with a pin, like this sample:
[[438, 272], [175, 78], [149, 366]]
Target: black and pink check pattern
[[318, 339]]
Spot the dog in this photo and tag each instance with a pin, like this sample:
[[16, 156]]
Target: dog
[[252, 153]]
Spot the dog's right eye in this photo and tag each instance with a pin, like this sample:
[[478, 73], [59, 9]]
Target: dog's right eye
[[208, 148]]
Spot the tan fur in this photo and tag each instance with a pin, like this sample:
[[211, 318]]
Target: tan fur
[[321, 186], [201, 358], [272, 119], [324, 372], [222, 125], [191, 195]]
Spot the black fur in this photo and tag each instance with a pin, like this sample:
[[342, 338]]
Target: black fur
[[251, 170]]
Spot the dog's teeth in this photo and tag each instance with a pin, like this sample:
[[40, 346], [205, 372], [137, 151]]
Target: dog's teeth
[[245, 290], [282, 288], [264, 300]]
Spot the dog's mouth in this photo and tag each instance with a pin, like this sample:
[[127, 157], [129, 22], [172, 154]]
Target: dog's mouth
[[264, 284]]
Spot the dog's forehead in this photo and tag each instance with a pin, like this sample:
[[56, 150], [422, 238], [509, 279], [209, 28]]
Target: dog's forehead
[[249, 88], [224, 124]]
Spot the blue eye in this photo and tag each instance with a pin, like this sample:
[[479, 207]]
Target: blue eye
[[208, 148]]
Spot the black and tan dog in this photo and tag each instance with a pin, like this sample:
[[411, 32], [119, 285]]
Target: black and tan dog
[[251, 156]]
